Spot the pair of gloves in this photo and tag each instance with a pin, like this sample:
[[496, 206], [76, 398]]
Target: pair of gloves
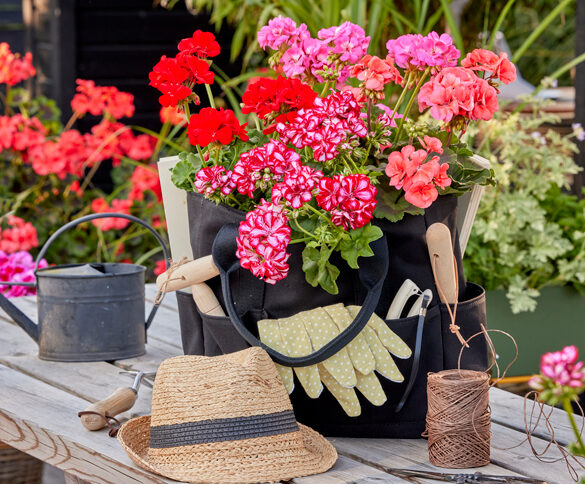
[[350, 368]]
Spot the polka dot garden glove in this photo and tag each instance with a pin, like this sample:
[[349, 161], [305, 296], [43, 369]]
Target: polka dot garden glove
[[350, 368]]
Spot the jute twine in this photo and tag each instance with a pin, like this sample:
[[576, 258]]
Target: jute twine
[[458, 418]]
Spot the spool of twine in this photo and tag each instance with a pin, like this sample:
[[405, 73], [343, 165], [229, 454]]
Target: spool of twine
[[458, 418]]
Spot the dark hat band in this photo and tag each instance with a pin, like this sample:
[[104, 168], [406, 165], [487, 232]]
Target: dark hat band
[[222, 429]]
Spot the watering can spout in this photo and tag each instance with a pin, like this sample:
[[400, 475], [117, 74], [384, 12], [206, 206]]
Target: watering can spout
[[20, 318]]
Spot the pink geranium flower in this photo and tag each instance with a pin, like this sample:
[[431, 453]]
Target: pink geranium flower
[[262, 241], [281, 31], [457, 91], [350, 199], [563, 368], [415, 52], [375, 73], [421, 194], [488, 61], [348, 40]]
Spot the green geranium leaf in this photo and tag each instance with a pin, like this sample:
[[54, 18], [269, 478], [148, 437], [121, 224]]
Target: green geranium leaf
[[318, 270], [358, 245], [183, 173], [392, 205]]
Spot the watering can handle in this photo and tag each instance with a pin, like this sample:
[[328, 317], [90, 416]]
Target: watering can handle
[[93, 216]]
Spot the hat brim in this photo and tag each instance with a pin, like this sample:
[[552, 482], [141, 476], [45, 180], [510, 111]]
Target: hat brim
[[315, 456]]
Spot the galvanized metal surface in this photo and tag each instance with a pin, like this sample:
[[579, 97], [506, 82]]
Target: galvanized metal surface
[[88, 312]]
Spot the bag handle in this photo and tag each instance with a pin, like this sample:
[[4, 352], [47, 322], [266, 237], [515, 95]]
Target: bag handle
[[372, 273]]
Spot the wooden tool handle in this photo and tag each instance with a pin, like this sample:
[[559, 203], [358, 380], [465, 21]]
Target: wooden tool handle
[[206, 300], [188, 274], [121, 400], [440, 247]]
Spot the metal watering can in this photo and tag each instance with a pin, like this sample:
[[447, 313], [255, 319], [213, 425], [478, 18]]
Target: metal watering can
[[88, 312]]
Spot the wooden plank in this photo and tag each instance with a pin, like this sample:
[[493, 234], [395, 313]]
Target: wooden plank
[[508, 410], [13, 340], [511, 451], [38, 419], [348, 470], [89, 381], [399, 454]]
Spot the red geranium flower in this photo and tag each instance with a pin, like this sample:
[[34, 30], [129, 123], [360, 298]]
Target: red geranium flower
[[168, 76], [281, 95], [202, 44], [13, 67], [102, 99], [215, 125], [198, 69]]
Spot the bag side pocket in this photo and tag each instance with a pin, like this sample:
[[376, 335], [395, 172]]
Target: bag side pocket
[[191, 325], [471, 314], [220, 336]]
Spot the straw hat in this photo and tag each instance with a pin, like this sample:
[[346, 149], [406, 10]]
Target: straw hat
[[224, 419]]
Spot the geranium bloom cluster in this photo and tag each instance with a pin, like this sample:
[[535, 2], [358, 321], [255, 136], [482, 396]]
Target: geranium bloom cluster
[[457, 91], [100, 205], [375, 73], [262, 166], [14, 68], [98, 100], [71, 152], [17, 236], [331, 122], [262, 242], [17, 267], [215, 126], [561, 369], [176, 76], [418, 52], [418, 173], [19, 134], [277, 100], [457, 94], [314, 60], [350, 200]]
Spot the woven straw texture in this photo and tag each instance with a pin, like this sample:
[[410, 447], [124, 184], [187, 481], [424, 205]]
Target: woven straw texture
[[238, 385], [16, 467]]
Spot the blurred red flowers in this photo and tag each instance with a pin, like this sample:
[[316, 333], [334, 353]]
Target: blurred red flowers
[[13, 67], [99, 100]]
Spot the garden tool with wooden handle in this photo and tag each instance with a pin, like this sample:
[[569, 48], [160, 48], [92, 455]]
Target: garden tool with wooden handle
[[122, 399], [350, 368], [444, 265], [193, 274]]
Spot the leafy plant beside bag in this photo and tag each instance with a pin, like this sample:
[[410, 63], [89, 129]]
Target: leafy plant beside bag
[[529, 233], [329, 153]]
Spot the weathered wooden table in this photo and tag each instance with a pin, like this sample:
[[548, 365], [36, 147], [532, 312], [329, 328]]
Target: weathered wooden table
[[39, 401]]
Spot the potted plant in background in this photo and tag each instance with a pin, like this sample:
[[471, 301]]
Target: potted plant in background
[[528, 243]]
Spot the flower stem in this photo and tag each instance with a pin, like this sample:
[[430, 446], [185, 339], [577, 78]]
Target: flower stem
[[201, 156], [325, 88], [569, 409], [311, 236], [210, 96], [401, 97], [369, 116], [74, 117], [410, 103]]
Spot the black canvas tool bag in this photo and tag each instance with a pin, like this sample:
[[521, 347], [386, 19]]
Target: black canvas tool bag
[[402, 253]]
